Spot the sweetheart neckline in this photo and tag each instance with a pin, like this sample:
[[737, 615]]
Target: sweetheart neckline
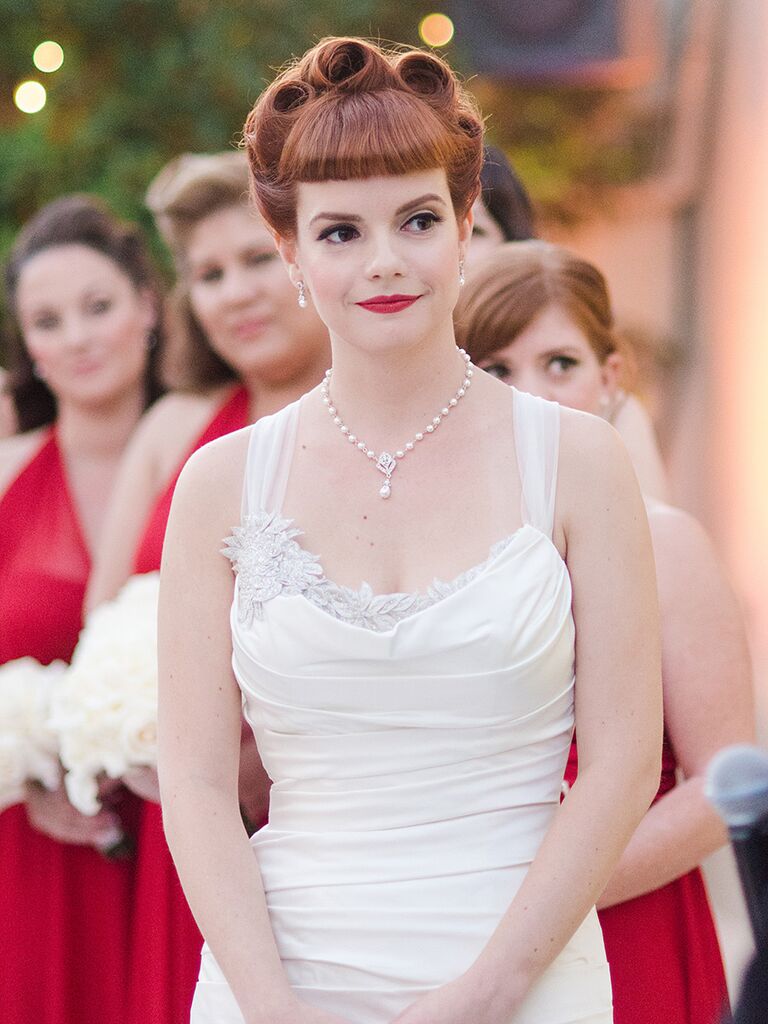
[[299, 573], [495, 550]]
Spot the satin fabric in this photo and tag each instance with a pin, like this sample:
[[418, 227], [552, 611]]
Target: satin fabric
[[165, 941], [64, 909], [662, 947], [415, 770]]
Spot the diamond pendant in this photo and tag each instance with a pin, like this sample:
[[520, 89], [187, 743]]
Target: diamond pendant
[[386, 464]]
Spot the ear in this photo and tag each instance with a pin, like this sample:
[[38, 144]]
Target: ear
[[286, 247], [465, 231], [151, 308], [610, 372]]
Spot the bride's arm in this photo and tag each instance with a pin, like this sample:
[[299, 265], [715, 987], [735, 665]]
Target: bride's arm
[[618, 716], [708, 704], [199, 739]]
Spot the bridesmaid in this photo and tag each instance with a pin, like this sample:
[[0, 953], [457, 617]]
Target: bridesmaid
[[540, 318], [503, 211], [241, 347], [84, 301]]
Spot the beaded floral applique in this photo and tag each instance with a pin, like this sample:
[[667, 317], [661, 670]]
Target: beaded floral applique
[[268, 562]]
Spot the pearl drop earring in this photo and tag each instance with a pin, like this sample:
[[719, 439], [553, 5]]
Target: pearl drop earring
[[461, 273], [302, 300]]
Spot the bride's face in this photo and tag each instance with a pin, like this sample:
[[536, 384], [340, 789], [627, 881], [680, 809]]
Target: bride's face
[[379, 256]]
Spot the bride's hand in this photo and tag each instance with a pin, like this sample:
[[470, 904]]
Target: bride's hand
[[301, 1013], [143, 782], [50, 812], [458, 1002]]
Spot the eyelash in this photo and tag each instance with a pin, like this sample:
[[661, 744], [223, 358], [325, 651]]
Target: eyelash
[[497, 370], [334, 228], [568, 362], [501, 372], [96, 308], [46, 323], [252, 260]]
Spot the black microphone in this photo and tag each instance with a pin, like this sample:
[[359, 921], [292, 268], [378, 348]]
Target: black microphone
[[737, 785]]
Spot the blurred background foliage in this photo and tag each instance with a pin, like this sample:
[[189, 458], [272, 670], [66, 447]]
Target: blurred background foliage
[[144, 80]]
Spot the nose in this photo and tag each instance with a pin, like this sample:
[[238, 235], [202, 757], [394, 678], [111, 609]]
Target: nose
[[240, 286], [74, 333], [528, 380], [384, 259]]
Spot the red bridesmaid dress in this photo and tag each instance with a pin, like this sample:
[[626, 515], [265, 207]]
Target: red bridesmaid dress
[[662, 947], [166, 943], [64, 909]]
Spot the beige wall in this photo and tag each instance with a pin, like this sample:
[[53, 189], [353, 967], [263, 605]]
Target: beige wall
[[719, 459]]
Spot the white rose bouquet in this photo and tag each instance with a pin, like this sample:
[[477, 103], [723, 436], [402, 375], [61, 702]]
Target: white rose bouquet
[[28, 745], [105, 707]]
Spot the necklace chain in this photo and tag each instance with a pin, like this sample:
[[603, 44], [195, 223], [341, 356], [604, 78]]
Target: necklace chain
[[386, 462]]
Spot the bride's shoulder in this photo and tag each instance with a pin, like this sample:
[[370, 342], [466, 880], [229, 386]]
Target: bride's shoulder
[[594, 468], [211, 481], [584, 436], [15, 452]]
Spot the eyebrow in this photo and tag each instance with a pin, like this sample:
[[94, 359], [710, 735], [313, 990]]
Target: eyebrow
[[561, 350], [352, 218]]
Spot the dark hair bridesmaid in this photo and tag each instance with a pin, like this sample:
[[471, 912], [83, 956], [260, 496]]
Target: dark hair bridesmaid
[[84, 303]]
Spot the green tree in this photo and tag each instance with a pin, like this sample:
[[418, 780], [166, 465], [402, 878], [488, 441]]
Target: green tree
[[144, 80]]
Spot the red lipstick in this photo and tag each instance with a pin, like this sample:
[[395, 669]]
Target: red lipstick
[[388, 303]]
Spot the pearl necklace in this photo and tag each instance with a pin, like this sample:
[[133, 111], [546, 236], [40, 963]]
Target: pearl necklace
[[386, 463]]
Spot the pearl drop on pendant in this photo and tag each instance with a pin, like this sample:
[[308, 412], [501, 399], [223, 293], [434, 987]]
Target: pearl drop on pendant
[[385, 491]]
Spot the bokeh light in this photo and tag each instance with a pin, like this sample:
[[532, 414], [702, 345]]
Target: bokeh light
[[436, 29], [30, 97], [48, 56]]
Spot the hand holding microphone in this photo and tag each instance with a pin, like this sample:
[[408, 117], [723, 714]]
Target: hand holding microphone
[[737, 785]]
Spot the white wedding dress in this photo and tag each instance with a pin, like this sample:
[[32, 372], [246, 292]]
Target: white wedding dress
[[417, 745]]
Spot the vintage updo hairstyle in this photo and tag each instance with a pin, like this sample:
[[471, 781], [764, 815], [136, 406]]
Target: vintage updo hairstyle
[[349, 109]]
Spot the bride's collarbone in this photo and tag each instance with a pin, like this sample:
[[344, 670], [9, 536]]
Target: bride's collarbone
[[439, 520]]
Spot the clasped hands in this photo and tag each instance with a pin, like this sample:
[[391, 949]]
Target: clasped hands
[[463, 1001]]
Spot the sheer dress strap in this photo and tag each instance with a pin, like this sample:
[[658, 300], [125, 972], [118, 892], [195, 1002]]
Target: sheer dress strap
[[537, 443], [268, 463]]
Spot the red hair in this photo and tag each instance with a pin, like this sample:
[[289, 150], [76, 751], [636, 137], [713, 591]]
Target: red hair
[[349, 109]]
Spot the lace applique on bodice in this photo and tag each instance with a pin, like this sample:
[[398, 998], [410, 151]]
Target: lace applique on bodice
[[269, 561]]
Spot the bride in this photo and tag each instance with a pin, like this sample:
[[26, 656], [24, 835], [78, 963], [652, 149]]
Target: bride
[[435, 577]]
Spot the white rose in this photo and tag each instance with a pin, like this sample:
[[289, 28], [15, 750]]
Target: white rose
[[105, 713], [28, 746]]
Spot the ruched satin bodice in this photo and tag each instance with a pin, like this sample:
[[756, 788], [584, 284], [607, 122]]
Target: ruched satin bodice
[[415, 772]]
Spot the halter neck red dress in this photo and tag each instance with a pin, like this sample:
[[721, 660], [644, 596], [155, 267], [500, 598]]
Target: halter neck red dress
[[662, 947], [165, 941], [64, 909]]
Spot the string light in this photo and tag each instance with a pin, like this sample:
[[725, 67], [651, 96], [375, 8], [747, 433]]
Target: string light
[[436, 29], [30, 96], [48, 56]]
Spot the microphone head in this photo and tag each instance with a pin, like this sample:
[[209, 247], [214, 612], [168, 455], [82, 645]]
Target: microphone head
[[737, 785]]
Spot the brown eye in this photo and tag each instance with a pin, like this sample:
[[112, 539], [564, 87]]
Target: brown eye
[[562, 364], [422, 222], [498, 370], [258, 259], [46, 322], [338, 234]]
